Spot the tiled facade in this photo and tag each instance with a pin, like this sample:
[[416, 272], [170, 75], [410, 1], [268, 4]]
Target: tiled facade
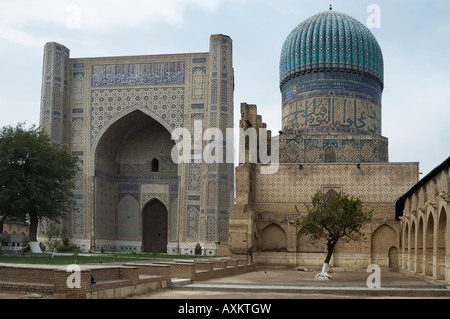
[[331, 80], [327, 40], [117, 115], [314, 148], [372, 183]]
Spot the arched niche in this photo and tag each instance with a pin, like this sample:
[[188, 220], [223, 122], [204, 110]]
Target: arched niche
[[273, 238]]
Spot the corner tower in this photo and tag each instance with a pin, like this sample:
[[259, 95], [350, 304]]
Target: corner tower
[[331, 80], [55, 90]]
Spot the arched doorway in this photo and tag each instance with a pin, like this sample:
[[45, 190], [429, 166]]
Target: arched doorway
[[412, 247], [428, 249], [154, 227], [133, 152], [405, 247], [393, 258], [441, 237], [420, 263], [384, 238]]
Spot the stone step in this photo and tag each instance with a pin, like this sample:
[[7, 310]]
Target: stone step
[[391, 290], [181, 281]]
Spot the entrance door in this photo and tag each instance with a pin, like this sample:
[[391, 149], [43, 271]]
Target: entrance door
[[393, 257], [154, 224]]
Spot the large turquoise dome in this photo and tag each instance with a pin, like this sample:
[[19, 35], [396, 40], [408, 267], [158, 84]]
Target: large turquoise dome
[[331, 41]]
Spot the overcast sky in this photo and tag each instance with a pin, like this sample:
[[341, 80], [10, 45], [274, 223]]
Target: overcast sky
[[414, 37]]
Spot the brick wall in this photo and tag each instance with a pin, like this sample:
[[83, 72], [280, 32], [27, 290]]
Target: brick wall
[[17, 273], [112, 281], [153, 270]]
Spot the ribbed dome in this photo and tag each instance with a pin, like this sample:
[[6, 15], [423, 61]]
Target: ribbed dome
[[331, 41]]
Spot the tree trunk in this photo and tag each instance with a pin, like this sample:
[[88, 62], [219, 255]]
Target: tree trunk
[[33, 233], [329, 254], [323, 275], [1, 225], [33, 226]]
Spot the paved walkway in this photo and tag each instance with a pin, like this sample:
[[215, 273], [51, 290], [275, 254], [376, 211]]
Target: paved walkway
[[290, 284], [293, 284]]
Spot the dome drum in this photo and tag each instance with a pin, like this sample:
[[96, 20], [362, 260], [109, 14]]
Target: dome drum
[[334, 69], [338, 103]]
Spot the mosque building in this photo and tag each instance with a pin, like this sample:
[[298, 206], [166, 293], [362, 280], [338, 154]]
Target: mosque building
[[118, 115], [331, 81]]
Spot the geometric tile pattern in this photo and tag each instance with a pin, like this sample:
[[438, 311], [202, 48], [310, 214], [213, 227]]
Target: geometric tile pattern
[[194, 176], [330, 39], [211, 228], [223, 229], [372, 183], [349, 151], [292, 150], [367, 151], [311, 151], [164, 103], [350, 148], [192, 220]]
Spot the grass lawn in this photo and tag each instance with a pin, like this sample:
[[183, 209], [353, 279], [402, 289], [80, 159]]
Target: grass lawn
[[47, 259]]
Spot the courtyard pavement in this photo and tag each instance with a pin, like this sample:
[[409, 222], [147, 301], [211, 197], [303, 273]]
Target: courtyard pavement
[[270, 283]]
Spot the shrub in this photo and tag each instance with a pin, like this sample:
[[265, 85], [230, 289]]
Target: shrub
[[198, 250], [65, 245]]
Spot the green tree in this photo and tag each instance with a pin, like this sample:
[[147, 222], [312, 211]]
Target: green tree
[[54, 233], [36, 178], [198, 250], [332, 217]]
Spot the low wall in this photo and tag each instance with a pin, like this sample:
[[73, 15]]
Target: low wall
[[115, 280], [313, 260], [203, 269], [20, 278]]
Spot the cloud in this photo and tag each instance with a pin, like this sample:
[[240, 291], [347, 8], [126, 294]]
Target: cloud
[[18, 18], [20, 37], [25, 110]]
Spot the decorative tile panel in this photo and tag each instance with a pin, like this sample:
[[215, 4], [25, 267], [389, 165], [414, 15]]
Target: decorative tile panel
[[157, 73], [373, 183], [166, 103], [331, 40], [83, 97]]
